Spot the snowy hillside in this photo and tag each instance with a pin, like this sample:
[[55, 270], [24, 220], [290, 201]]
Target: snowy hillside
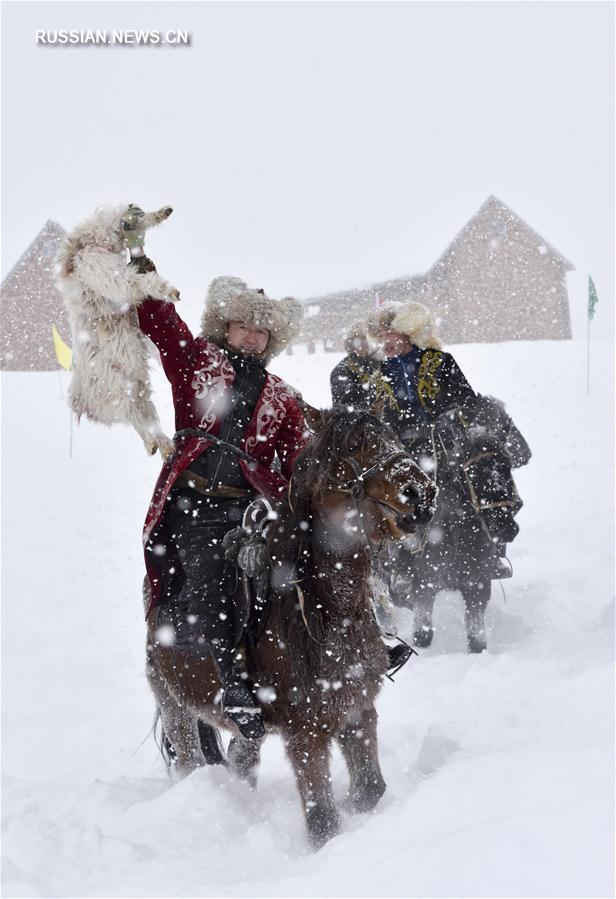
[[499, 767]]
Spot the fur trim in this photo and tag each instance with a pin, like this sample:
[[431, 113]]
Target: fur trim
[[355, 334], [230, 299], [413, 319]]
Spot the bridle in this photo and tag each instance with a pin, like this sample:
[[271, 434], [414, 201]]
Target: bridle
[[355, 487], [357, 491]]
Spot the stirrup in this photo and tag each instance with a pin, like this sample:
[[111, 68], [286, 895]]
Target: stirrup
[[249, 718], [398, 656]]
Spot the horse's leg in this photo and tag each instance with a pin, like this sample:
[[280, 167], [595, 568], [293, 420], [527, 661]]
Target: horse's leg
[[358, 742], [476, 597], [243, 756], [180, 727], [309, 756], [423, 604]]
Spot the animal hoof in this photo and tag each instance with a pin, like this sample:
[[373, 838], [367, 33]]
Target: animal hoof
[[476, 644], [321, 830], [168, 211], [367, 799], [166, 447]]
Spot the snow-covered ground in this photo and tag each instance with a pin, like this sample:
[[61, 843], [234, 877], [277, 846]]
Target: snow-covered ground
[[499, 767]]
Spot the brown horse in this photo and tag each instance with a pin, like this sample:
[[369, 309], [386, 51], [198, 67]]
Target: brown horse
[[318, 666]]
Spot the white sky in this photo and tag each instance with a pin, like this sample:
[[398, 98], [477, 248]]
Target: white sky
[[309, 147]]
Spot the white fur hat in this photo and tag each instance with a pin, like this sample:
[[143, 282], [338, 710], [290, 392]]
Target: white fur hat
[[412, 319], [357, 331], [230, 299]]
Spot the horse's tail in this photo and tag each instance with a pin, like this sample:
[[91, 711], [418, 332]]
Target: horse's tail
[[211, 744], [160, 738], [209, 737]]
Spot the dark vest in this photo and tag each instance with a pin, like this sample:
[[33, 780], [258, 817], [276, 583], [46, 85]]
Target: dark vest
[[217, 464]]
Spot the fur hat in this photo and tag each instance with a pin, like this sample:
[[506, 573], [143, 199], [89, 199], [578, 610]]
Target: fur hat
[[412, 319], [230, 299], [358, 330]]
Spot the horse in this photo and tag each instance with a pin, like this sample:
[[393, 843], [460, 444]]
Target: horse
[[459, 551], [318, 665]]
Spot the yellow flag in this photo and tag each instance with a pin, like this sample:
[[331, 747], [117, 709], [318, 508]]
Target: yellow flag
[[64, 354]]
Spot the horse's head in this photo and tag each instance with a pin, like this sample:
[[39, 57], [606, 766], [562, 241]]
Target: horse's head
[[361, 477]]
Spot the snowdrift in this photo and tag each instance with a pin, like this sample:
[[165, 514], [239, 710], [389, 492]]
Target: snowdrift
[[499, 767]]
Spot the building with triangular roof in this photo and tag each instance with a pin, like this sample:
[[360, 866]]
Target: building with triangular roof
[[497, 280], [30, 304]]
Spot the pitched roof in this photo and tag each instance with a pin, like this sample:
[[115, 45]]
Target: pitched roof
[[494, 210], [48, 238], [31, 304]]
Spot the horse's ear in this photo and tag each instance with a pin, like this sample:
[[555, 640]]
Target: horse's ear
[[377, 408], [314, 417]]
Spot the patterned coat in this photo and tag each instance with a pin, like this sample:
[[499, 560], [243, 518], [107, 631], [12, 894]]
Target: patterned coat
[[350, 380], [418, 387], [201, 378]]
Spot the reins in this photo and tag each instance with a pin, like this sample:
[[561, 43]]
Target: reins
[[356, 485], [197, 432], [357, 491]]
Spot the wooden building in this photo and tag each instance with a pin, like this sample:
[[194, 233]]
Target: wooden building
[[497, 280]]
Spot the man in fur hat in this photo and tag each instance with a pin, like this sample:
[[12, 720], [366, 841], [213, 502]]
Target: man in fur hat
[[350, 379], [418, 380], [420, 383], [221, 389]]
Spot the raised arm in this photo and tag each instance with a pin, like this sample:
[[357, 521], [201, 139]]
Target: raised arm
[[161, 323]]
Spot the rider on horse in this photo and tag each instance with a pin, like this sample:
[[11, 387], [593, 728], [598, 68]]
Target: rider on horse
[[232, 418], [423, 386], [350, 379]]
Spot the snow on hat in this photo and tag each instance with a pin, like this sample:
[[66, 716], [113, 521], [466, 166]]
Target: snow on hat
[[230, 299], [412, 319], [357, 330]]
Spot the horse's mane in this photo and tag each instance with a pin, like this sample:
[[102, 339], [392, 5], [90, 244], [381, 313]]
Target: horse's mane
[[341, 429], [303, 617]]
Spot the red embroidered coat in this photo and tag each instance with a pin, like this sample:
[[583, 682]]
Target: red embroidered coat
[[200, 376]]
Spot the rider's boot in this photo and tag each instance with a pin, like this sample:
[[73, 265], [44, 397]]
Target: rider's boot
[[238, 704], [502, 568], [423, 635]]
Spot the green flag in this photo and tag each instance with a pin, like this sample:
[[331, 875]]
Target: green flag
[[593, 299]]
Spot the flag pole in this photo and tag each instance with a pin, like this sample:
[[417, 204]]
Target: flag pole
[[64, 355], [593, 299], [587, 355]]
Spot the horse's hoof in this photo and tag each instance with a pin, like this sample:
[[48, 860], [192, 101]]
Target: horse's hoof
[[423, 637], [321, 829], [477, 644], [357, 803]]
